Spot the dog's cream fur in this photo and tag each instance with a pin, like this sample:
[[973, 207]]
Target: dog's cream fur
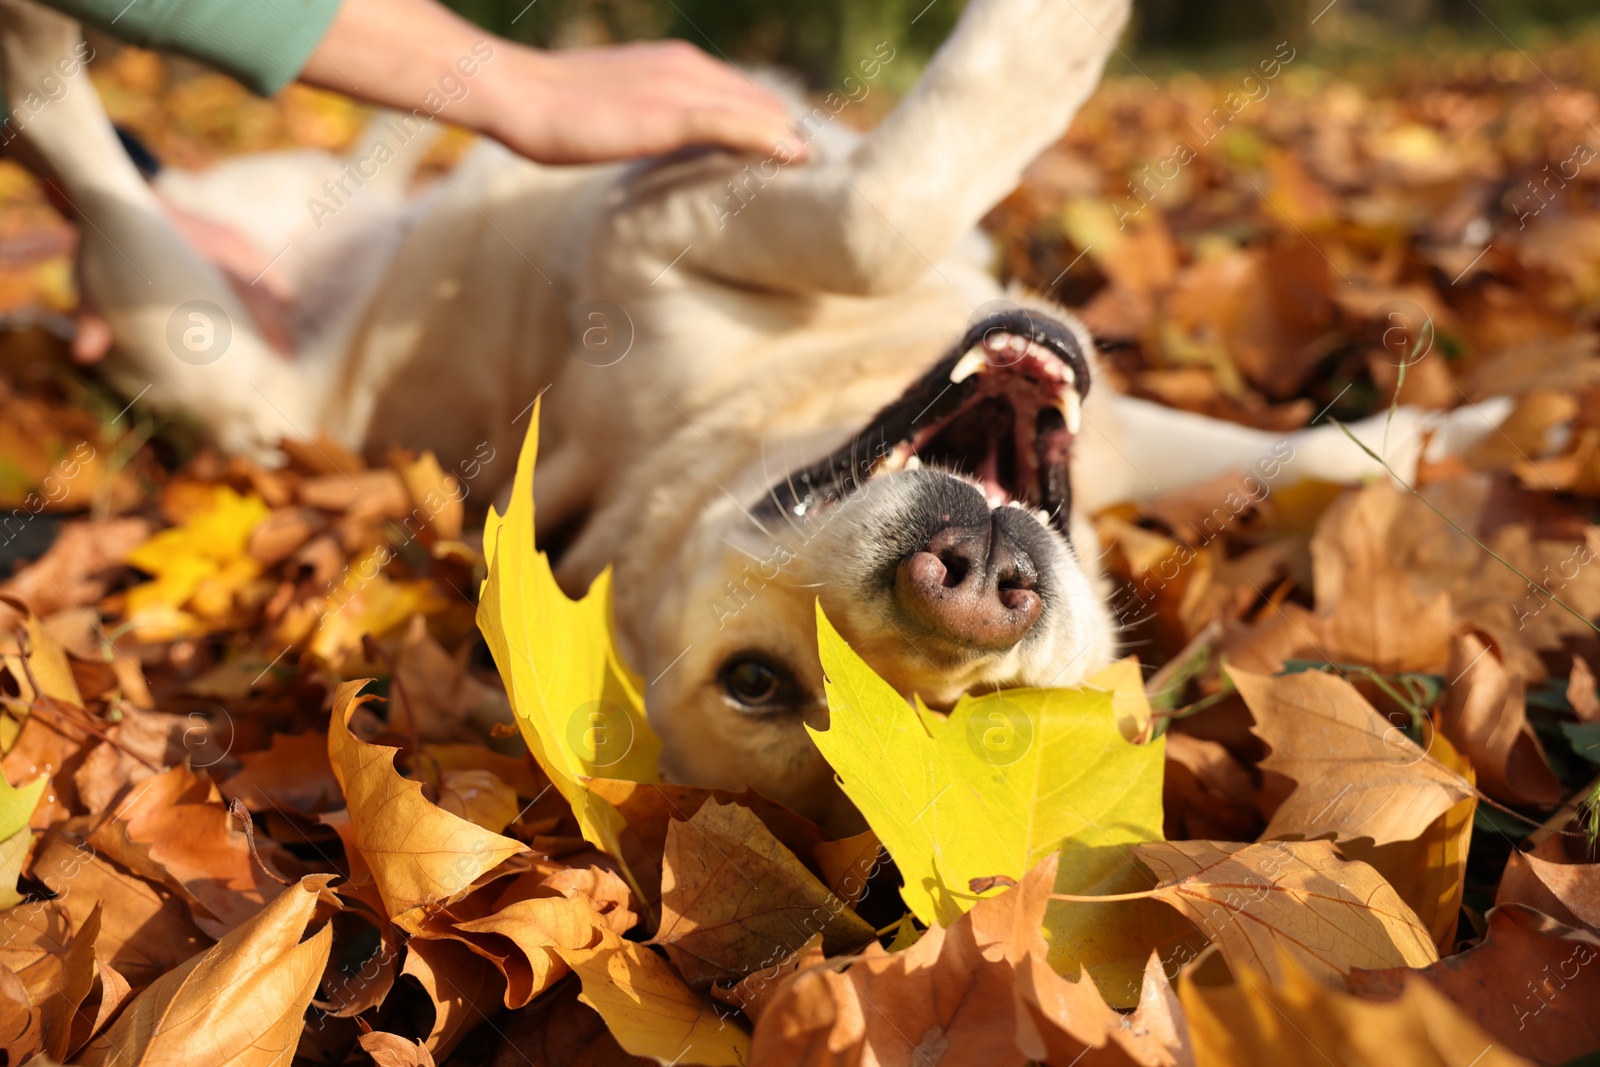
[[760, 341]]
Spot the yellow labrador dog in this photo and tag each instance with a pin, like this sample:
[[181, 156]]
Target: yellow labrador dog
[[767, 382]]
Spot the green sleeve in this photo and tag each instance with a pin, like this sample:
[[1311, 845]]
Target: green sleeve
[[263, 43]]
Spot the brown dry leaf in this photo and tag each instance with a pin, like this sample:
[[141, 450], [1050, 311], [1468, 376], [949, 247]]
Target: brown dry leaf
[[1567, 892], [1206, 792], [68, 987], [478, 797], [175, 829], [76, 569], [434, 688], [292, 774], [649, 808], [1260, 902], [848, 864], [1370, 613], [436, 496], [144, 931], [734, 900], [463, 986], [240, 1002], [1485, 716], [1429, 872], [1294, 1019], [47, 664], [1357, 774], [418, 853], [1581, 691], [392, 1050], [1528, 983], [648, 1008], [978, 992], [522, 935]]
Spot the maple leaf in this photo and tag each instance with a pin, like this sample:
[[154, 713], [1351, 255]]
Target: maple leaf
[[1261, 903], [418, 853], [200, 563], [733, 899], [1003, 781], [1358, 774], [577, 705]]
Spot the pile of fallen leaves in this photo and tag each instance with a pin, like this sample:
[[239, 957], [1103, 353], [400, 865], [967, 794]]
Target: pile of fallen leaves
[[292, 770]]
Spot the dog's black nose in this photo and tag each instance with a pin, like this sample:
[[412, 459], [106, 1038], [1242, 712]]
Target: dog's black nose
[[975, 585]]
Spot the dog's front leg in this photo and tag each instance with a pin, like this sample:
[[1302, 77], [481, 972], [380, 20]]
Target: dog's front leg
[[1001, 89], [183, 339]]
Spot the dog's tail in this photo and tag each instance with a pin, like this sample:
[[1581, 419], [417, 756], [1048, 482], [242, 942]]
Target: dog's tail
[[184, 340]]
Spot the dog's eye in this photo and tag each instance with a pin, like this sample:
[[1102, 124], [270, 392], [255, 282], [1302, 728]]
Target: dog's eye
[[755, 682]]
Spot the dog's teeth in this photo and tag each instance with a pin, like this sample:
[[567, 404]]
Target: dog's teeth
[[1070, 377], [1071, 407], [913, 463], [1043, 516], [968, 365]]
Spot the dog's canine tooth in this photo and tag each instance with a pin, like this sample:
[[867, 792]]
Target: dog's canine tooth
[[913, 463], [968, 365], [1071, 407]]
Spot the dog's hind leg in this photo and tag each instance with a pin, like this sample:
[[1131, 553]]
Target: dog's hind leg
[[1001, 89], [184, 340], [1146, 449]]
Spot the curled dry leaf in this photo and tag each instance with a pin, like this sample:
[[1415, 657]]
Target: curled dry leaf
[[734, 900], [648, 1008], [1262, 903], [1531, 983], [1567, 892], [464, 988], [242, 1001], [175, 830], [1294, 1019], [417, 852], [1356, 774], [392, 1050], [1485, 716]]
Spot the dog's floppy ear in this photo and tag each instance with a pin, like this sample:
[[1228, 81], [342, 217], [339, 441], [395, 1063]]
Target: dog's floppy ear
[[1002, 89]]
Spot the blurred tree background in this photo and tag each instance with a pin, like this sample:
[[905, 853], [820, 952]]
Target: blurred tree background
[[822, 40]]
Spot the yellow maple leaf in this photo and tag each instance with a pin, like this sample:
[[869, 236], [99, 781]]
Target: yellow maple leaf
[[991, 789], [578, 706], [199, 564]]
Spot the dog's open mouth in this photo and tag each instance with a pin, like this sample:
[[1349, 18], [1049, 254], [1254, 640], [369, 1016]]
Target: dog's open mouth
[[1001, 410]]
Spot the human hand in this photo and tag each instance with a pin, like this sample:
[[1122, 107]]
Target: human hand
[[598, 104]]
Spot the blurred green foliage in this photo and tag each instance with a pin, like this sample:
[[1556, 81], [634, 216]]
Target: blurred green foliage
[[823, 40]]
